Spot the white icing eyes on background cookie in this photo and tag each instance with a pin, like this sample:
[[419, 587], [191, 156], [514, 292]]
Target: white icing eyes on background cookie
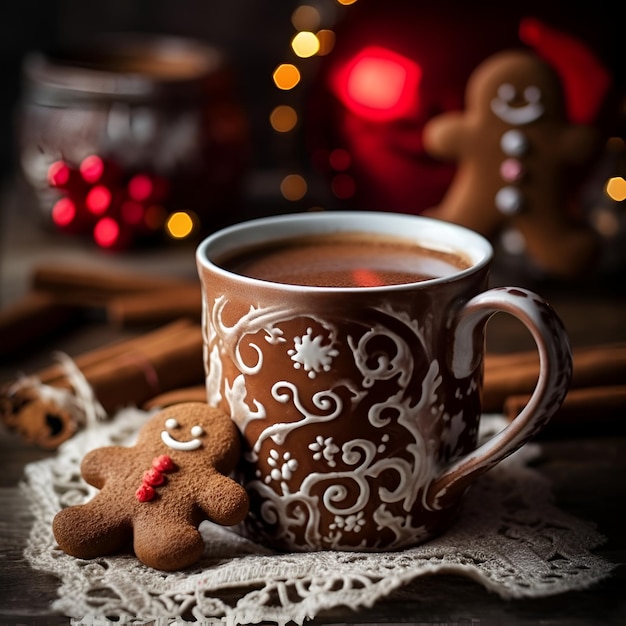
[[506, 92], [171, 423], [503, 105], [532, 94]]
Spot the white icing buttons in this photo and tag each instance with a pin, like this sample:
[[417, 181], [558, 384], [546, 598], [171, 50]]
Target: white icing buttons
[[514, 143], [513, 241], [509, 200]]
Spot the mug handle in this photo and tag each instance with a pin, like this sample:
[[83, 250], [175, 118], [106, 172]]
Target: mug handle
[[555, 372]]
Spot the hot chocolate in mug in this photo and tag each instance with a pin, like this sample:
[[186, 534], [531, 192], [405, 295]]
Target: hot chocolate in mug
[[348, 348]]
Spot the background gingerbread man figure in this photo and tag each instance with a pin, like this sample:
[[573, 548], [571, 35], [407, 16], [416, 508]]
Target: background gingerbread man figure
[[518, 157], [154, 495]]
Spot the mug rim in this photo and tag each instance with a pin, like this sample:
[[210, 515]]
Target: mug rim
[[474, 247]]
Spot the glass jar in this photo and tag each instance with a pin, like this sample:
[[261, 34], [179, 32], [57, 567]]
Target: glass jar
[[134, 130]]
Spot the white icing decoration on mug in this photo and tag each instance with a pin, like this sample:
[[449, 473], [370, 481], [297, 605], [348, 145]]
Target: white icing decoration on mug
[[311, 354], [296, 505]]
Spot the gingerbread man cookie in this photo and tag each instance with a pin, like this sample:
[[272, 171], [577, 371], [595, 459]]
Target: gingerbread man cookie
[[516, 152], [154, 495]]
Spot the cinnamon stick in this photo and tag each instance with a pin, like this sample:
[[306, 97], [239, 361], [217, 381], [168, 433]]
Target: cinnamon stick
[[196, 393], [86, 360], [144, 368], [156, 307], [516, 374], [92, 286], [135, 376], [592, 406]]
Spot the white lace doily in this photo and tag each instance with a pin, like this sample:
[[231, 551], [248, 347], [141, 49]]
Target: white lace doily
[[510, 538]]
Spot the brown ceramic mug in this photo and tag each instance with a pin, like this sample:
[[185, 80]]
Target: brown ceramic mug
[[348, 348]]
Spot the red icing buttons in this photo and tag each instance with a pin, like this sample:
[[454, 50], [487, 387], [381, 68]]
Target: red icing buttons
[[154, 477], [163, 463], [145, 493]]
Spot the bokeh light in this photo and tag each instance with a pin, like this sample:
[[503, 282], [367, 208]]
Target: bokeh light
[[283, 118], [326, 39], [616, 188], [305, 44], [293, 187], [92, 168], [309, 41], [106, 232], [58, 174], [605, 222], [180, 225], [286, 76], [98, 199], [379, 84], [63, 212], [140, 187], [306, 17]]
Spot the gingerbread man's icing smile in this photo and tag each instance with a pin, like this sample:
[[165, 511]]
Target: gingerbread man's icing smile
[[519, 115], [175, 444]]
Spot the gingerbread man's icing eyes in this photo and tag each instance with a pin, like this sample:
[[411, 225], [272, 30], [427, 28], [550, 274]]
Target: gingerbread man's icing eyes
[[189, 444], [517, 115], [506, 92]]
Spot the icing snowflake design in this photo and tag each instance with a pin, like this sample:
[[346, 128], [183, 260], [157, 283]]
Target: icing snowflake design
[[310, 354], [350, 523], [324, 448], [282, 468]]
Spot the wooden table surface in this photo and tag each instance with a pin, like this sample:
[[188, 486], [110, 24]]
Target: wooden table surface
[[586, 467]]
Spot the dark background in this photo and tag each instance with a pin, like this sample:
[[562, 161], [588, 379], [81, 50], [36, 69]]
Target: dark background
[[255, 34]]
